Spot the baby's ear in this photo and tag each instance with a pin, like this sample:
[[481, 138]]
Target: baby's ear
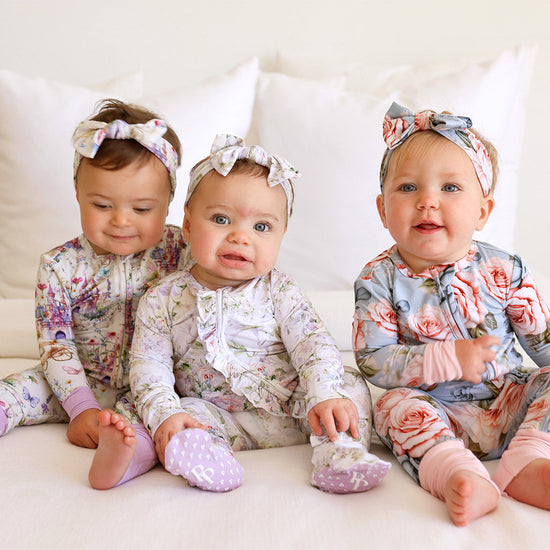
[[185, 225], [381, 209], [487, 205]]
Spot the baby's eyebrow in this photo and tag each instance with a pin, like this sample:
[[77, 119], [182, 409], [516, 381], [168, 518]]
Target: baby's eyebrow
[[99, 196], [251, 213]]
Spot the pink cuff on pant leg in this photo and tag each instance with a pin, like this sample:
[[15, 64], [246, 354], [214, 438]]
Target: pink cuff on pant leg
[[442, 461], [144, 458], [527, 445]]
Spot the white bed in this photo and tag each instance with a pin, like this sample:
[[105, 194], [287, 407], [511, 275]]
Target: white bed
[[300, 99]]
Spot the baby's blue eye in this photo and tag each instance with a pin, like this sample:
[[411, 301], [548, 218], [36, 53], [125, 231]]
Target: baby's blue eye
[[221, 220], [408, 187], [101, 206], [450, 187], [262, 227]]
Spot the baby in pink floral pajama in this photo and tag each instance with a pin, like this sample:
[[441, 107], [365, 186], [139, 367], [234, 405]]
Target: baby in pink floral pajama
[[436, 320]]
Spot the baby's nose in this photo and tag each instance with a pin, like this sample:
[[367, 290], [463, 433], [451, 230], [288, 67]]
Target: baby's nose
[[120, 217]]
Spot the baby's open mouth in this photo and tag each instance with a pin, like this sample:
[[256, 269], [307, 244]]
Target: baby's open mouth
[[426, 226], [234, 259]]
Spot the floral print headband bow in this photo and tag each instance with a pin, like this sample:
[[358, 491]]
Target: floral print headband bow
[[89, 136], [228, 149], [400, 124]]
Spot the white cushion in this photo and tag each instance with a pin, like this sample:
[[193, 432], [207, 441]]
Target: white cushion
[[38, 209], [334, 138]]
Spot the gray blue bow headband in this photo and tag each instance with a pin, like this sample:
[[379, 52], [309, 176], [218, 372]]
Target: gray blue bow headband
[[228, 149], [89, 136], [400, 123]]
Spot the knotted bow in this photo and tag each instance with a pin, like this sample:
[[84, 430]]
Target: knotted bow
[[400, 123], [227, 149], [90, 134]]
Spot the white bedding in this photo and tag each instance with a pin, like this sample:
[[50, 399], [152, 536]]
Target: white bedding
[[359, 56], [49, 504]]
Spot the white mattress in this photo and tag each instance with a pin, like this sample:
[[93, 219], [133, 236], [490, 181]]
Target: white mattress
[[47, 503]]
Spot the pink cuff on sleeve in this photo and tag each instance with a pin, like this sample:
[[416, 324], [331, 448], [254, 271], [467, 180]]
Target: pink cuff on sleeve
[[80, 400], [440, 363]]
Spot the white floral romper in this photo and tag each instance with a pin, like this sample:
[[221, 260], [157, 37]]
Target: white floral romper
[[249, 361], [85, 306]]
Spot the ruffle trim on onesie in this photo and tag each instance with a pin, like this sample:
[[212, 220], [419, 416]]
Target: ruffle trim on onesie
[[258, 389]]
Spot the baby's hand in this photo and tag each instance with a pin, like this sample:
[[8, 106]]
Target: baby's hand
[[83, 430], [336, 415], [473, 354], [171, 426]]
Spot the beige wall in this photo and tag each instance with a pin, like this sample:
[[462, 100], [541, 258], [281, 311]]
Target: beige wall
[[179, 42]]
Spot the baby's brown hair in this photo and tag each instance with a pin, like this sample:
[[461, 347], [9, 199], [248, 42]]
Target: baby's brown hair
[[115, 154]]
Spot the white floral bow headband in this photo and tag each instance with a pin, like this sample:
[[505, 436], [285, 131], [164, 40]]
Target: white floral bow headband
[[400, 123], [228, 149], [89, 136]]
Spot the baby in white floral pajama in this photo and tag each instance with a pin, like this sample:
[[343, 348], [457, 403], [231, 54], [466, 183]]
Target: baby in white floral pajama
[[229, 354], [88, 289]]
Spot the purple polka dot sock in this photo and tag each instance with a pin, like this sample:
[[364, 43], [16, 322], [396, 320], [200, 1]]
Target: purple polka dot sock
[[193, 455], [361, 476]]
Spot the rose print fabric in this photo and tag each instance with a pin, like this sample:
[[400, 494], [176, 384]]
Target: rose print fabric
[[260, 345], [398, 319], [85, 306]]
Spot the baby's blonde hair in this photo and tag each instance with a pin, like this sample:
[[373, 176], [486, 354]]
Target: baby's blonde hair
[[431, 136]]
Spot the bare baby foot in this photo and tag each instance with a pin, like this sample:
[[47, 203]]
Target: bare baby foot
[[469, 496], [116, 447], [532, 484]]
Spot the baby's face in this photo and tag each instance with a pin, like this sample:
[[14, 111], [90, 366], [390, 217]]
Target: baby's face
[[123, 211], [234, 225], [432, 202]]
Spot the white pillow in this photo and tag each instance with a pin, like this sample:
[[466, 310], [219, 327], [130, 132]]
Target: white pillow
[[334, 138], [221, 104], [38, 209]]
